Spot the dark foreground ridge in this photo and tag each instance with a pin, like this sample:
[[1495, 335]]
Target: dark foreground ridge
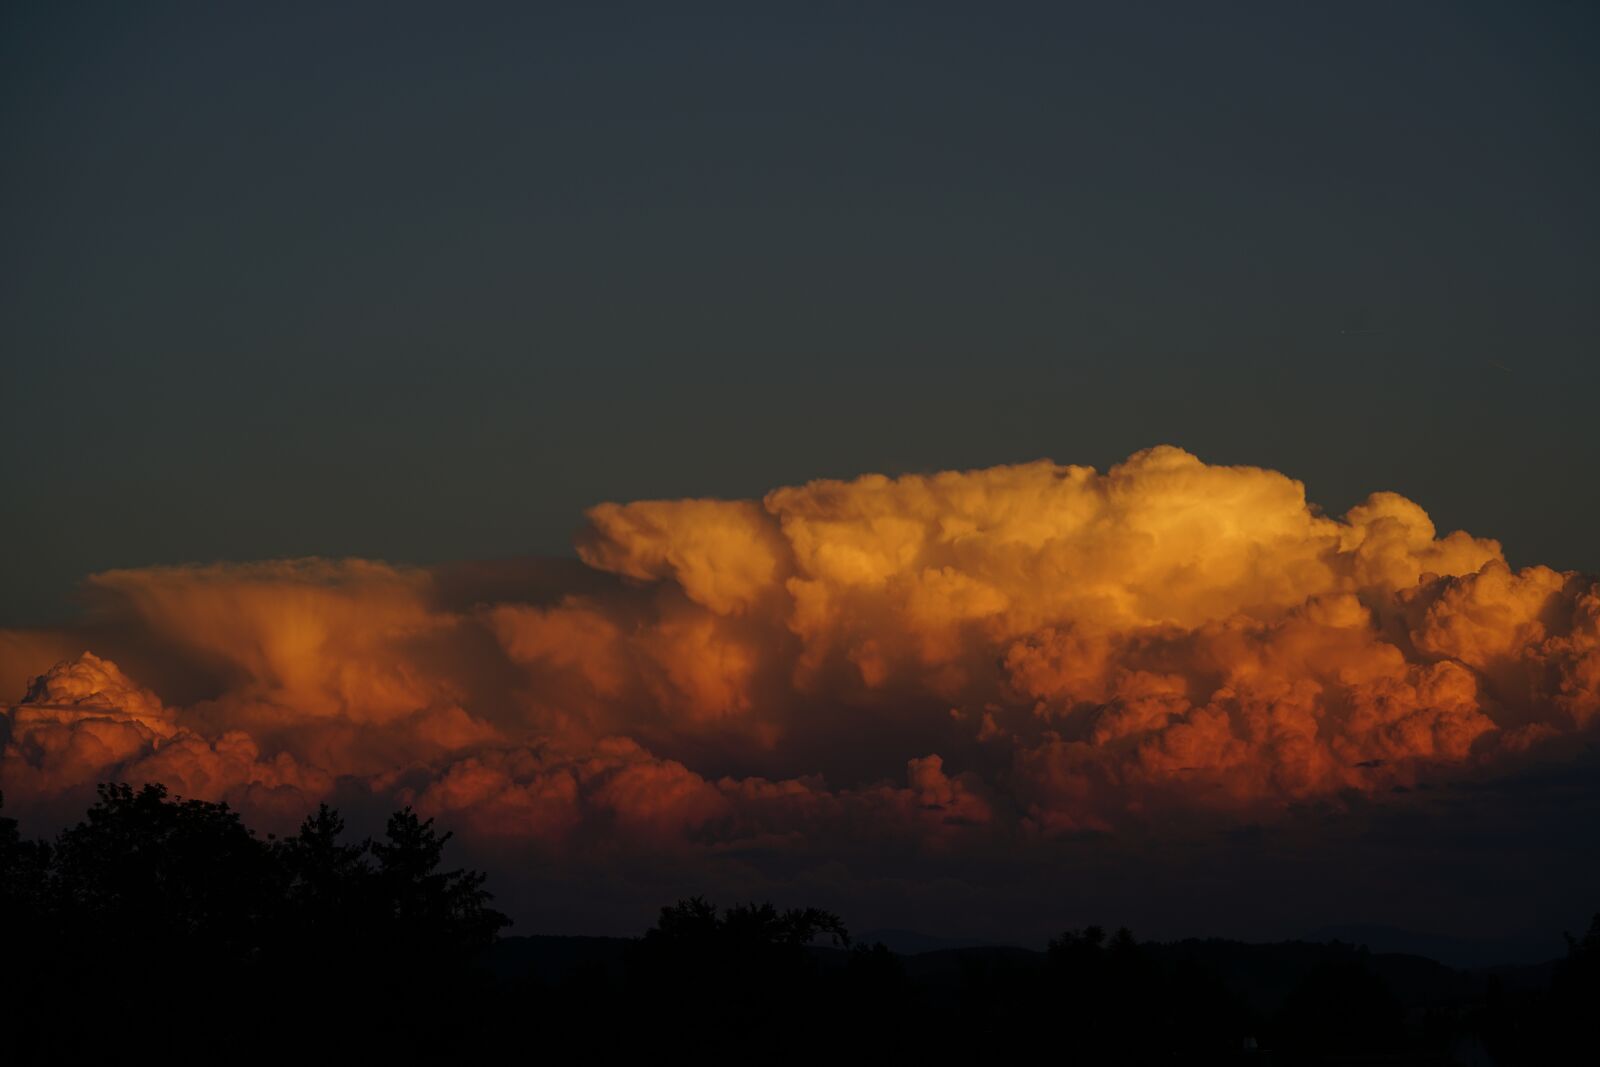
[[161, 926]]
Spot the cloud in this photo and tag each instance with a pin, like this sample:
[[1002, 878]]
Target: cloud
[[313, 638], [85, 721], [78, 719], [928, 663]]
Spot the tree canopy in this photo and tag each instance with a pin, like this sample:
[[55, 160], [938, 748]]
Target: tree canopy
[[176, 905]]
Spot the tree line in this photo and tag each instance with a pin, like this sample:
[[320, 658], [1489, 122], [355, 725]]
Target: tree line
[[165, 925]]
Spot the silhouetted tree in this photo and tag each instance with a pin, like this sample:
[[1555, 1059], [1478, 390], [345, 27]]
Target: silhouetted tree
[[27, 927], [1578, 975], [154, 907], [875, 973], [328, 919], [24, 870], [1569, 1026], [752, 960], [164, 878], [324, 874], [439, 914], [1341, 1007]]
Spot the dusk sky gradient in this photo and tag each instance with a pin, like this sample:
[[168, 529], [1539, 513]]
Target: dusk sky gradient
[[634, 299], [368, 279]]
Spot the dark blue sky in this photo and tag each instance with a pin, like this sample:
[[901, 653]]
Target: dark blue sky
[[423, 282]]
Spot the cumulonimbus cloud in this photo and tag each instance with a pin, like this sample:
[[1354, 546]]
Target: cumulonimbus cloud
[[922, 661]]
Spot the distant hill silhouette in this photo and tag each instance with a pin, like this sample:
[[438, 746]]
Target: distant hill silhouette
[[911, 942], [1455, 951], [1261, 973]]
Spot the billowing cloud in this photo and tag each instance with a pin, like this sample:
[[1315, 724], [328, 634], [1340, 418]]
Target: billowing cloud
[[85, 721], [930, 663]]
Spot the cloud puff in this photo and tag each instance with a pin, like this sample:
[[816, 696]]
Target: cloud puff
[[78, 719], [928, 662], [85, 721]]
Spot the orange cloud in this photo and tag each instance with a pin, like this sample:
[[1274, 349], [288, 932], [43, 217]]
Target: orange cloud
[[1080, 650], [313, 638]]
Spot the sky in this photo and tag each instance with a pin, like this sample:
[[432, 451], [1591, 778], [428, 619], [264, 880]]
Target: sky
[[382, 281], [411, 291]]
